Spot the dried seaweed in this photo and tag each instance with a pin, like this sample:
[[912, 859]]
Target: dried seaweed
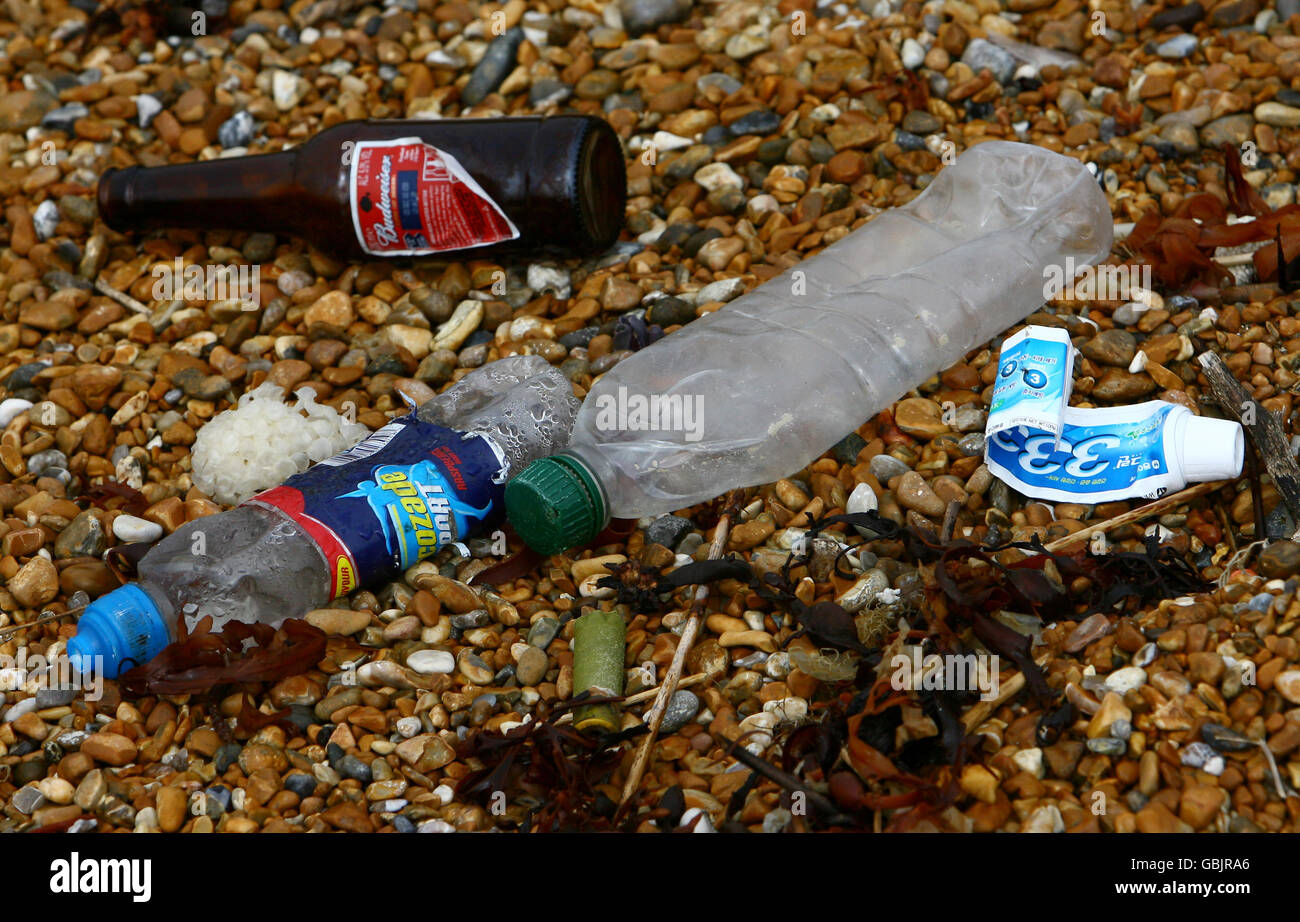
[[852, 746], [966, 585], [555, 765], [840, 749], [1053, 722], [101, 494], [201, 659], [706, 571], [1242, 197], [645, 590], [526, 560], [507, 571], [672, 804], [1180, 247]]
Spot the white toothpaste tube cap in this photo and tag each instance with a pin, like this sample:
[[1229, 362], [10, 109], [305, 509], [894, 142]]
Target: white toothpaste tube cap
[[1212, 449]]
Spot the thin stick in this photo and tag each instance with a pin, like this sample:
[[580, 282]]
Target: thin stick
[[1282, 790], [45, 618], [830, 812], [950, 520], [672, 678], [644, 695], [1136, 515], [121, 297], [1235, 259], [1006, 691]]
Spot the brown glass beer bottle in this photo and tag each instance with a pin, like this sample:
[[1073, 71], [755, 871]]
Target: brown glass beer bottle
[[401, 188]]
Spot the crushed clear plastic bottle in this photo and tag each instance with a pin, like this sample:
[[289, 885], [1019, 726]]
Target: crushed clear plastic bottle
[[257, 563], [785, 371]]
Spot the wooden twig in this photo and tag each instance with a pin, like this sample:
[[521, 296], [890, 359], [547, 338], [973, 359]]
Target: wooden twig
[[829, 811], [644, 695], [1263, 427], [1136, 515], [1235, 259], [121, 297], [1007, 690], [45, 618], [950, 520], [654, 717]]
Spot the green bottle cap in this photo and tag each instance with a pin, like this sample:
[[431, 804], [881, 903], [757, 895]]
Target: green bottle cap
[[554, 504]]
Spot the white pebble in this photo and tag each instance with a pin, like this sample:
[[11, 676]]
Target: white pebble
[[1121, 680], [408, 726], [1029, 760], [1139, 362], [146, 107], [656, 230], [45, 219], [760, 206], [11, 408], [715, 176], [704, 825], [787, 710], [1044, 819], [549, 278], [431, 662], [721, 290], [666, 140], [25, 706], [1026, 72], [1162, 534], [913, 55], [134, 530], [862, 499], [284, 90]]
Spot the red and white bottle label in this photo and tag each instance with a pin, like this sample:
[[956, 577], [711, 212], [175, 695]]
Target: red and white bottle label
[[410, 199]]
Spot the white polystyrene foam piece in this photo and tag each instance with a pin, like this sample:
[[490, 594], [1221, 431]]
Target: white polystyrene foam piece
[[262, 441]]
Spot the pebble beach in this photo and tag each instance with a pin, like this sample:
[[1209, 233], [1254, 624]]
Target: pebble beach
[[754, 134]]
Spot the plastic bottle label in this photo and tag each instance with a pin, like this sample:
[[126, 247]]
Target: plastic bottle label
[[409, 198], [1098, 458], [392, 499]]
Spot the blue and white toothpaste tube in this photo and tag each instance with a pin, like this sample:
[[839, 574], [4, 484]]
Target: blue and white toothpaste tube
[[1035, 374], [1109, 453]]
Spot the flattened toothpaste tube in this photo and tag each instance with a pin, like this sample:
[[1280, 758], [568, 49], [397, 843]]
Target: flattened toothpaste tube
[[1035, 374], [1112, 453]]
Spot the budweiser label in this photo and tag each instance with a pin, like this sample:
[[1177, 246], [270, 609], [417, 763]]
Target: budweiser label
[[410, 199]]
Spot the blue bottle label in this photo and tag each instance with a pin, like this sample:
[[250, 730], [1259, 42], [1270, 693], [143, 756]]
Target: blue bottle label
[[393, 499], [1098, 458]]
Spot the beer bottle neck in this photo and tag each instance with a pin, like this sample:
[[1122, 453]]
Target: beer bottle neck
[[239, 193]]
